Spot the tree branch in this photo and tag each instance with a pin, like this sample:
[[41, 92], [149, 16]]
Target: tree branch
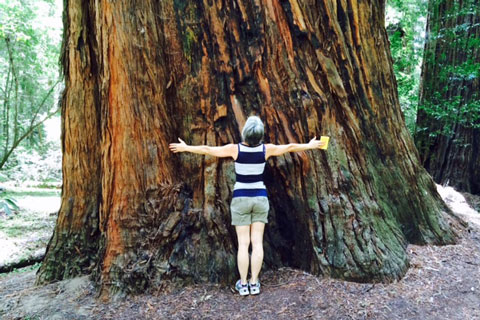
[[44, 100], [33, 125], [26, 134], [15, 77]]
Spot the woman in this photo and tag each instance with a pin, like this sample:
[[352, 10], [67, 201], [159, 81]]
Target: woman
[[249, 206]]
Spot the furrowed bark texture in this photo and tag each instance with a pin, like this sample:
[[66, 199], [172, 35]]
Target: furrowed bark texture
[[73, 248], [453, 30], [197, 69]]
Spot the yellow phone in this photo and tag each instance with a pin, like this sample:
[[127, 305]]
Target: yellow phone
[[324, 139]]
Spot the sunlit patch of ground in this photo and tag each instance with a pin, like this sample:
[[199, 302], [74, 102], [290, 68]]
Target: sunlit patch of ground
[[459, 204], [26, 232]]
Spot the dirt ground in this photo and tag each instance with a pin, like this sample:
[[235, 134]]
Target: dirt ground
[[26, 233], [443, 282]]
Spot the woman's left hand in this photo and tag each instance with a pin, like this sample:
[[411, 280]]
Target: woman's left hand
[[178, 147], [316, 144]]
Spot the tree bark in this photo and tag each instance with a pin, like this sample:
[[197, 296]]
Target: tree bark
[[74, 246], [141, 74], [449, 144]]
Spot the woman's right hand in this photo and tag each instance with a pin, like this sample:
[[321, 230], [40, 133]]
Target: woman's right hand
[[178, 147]]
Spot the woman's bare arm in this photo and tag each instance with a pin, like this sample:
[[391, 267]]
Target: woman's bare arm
[[229, 150], [277, 150]]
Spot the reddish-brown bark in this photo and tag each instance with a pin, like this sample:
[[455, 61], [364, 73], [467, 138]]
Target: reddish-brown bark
[[196, 70]]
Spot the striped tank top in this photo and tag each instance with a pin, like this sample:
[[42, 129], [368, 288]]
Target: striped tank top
[[249, 168]]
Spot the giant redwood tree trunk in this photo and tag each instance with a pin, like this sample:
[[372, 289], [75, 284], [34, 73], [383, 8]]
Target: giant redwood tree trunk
[[448, 124], [141, 74]]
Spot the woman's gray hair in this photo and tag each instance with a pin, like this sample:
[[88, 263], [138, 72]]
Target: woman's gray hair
[[253, 131]]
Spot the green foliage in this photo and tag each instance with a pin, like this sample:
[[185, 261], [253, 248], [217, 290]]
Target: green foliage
[[450, 112], [449, 95], [29, 77], [406, 26], [406, 34], [8, 205], [32, 168]]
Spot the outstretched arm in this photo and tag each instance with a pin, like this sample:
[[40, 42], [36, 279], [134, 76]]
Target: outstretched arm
[[229, 150], [277, 150]]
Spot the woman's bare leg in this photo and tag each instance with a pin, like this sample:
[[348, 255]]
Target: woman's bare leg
[[257, 249], [243, 236]]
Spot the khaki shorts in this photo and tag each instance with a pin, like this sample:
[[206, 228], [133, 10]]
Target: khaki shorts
[[246, 210]]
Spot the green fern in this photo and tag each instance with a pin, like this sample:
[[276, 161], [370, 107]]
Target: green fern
[[8, 205]]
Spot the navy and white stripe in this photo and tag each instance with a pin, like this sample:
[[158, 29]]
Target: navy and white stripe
[[249, 168]]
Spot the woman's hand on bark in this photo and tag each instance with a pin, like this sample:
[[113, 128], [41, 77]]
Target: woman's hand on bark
[[316, 144], [178, 147]]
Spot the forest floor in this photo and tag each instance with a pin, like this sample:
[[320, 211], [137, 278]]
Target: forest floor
[[24, 233], [442, 283]]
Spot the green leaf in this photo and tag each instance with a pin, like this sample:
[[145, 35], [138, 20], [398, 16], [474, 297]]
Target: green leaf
[[12, 203], [6, 208]]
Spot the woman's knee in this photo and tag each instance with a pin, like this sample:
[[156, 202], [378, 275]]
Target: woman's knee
[[243, 245], [243, 235], [257, 241], [257, 244]]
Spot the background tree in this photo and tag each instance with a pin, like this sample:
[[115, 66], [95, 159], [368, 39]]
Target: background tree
[[405, 24], [448, 124], [29, 76], [140, 74]]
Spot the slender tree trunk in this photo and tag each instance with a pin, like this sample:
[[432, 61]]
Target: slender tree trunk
[[141, 74], [448, 124]]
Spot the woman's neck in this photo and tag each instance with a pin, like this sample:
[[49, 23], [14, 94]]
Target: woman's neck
[[247, 145]]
